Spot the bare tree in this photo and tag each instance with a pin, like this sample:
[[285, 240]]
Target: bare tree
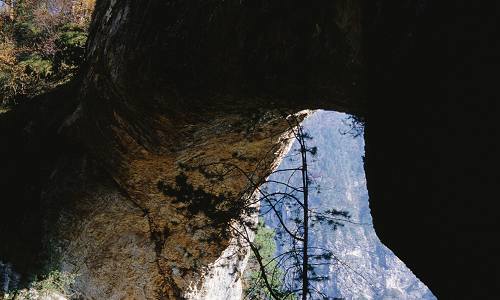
[[293, 268], [299, 260]]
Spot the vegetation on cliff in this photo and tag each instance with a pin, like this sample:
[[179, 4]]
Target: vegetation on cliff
[[42, 44], [266, 245], [298, 258], [55, 285]]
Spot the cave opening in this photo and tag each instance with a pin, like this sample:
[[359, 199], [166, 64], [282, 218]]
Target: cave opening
[[364, 268]]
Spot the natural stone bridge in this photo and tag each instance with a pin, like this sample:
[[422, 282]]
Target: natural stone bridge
[[170, 84]]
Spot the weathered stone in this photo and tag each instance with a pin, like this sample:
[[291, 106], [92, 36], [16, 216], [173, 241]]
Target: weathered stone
[[173, 84]]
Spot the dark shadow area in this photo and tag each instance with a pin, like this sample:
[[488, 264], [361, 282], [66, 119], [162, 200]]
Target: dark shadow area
[[30, 148], [430, 126], [431, 142]]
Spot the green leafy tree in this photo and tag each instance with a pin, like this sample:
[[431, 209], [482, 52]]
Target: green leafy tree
[[265, 243]]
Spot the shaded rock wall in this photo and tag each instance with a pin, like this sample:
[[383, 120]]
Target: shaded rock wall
[[147, 113], [430, 153], [127, 238], [192, 82], [30, 148], [170, 103], [118, 229]]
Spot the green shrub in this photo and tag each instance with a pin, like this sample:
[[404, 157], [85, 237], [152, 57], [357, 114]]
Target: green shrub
[[70, 46], [254, 285], [35, 65], [55, 283]]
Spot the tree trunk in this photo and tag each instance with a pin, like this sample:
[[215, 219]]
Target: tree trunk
[[305, 187]]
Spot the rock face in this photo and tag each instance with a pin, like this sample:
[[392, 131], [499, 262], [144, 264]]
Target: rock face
[[155, 225], [163, 148], [134, 234], [94, 173], [165, 131], [429, 141], [169, 53]]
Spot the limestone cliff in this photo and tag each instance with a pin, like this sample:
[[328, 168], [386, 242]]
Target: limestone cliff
[[123, 235], [173, 92], [172, 109], [175, 118], [128, 239]]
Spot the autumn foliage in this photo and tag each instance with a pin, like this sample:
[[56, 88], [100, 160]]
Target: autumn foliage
[[42, 44]]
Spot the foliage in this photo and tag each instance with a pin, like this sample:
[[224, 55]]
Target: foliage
[[55, 283], [70, 48], [266, 245], [35, 65], [42, 44]]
